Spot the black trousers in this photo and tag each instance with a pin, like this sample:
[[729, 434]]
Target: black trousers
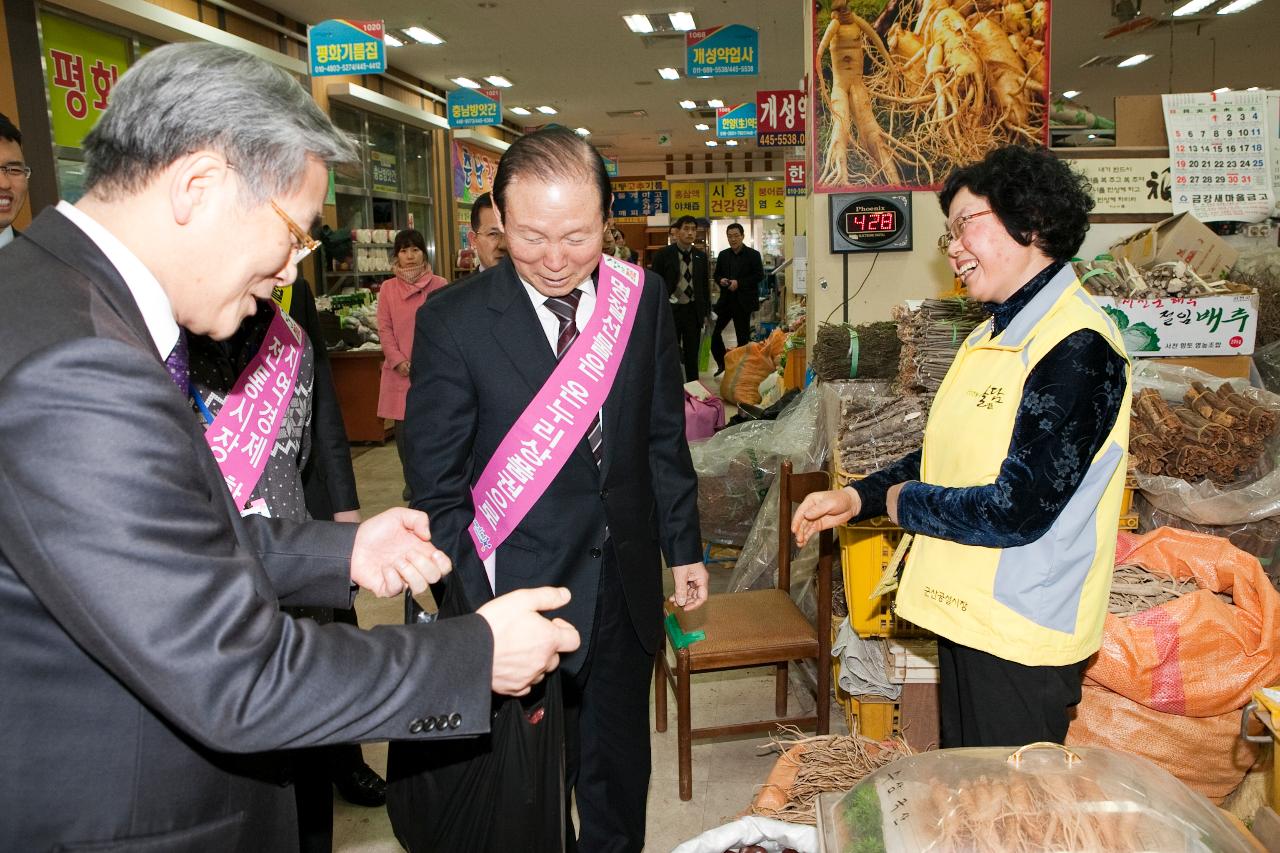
[[688, 336], [984, 700], [740, 316], [607, 758]]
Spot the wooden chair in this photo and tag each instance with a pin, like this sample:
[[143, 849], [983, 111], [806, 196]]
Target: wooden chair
[[754, 628]]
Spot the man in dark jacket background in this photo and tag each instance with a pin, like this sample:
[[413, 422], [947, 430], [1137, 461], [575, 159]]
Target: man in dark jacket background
[[739, 271], [683, 266]]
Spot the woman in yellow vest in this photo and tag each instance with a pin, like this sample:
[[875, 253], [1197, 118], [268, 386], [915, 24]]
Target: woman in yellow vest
[[1014, 499]]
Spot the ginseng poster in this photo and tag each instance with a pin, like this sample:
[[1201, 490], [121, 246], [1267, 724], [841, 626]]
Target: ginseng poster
[[904, 91]]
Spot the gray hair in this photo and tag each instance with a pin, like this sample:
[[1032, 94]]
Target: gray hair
[[183, 98]]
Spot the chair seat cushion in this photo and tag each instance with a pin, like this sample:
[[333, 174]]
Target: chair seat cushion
[[745, 628]]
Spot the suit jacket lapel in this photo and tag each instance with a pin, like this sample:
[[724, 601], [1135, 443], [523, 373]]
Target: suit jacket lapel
[[518, 330]]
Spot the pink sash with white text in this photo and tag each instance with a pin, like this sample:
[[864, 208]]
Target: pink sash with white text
[[543, 438], [242, 434]]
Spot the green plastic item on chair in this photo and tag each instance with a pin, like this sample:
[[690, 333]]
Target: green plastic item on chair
[[679, 639]]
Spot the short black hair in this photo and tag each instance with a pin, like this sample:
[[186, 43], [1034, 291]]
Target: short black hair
[[683, 221], [733, 225], [1036, 197], [551, 155], [409, 237], [482, 202], [9, 131]]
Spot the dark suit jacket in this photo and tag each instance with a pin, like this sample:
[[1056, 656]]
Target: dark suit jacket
[[748, 268], [666, 263], [141, 636], [479, 357]]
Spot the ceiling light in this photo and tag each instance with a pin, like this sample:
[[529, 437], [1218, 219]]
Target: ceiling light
[[423, 36], [1192, 7], [684, 21], [1236, 6], [499, 81], [715, 102], [466, 82], [731, 142], [546, 110], [702, 126], [582, 131], [1070, 93], [520, 111], [688, 105], [1252, 89], [668, 74], [1093, 136], [638, 23], [711, 143], [1221, 89], [1136, 59], [391, 41]]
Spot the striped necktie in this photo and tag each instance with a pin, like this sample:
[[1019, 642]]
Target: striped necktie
[[566, 310]]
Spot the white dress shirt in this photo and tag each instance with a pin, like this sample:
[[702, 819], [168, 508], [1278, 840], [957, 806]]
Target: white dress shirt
[[152, 301], [6, 236]]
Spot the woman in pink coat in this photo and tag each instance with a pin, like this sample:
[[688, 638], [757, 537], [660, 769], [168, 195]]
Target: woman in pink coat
[[398, 304]]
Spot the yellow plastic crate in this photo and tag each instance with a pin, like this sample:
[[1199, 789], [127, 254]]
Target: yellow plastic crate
[[865, 551], [877, 720]]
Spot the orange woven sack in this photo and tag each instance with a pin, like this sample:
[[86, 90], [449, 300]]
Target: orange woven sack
[[745, 368], [1197, 655], [1205, 753], [775, 345]]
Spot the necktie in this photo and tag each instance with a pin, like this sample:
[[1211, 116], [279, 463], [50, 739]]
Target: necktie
[[178, 362], [566, 310]]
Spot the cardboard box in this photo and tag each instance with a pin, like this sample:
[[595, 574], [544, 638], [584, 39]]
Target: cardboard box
[[1188, 326], [1178, 238], [1224, 366], [1140, 122]]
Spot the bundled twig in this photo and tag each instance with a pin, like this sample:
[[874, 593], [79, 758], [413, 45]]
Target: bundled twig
[[1218, 434], [827, 763], [876, 350], [1135, 589], [1122, 280], [931, 337], [870, 439]]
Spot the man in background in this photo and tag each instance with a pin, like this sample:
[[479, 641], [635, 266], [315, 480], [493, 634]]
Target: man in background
[[739, 271], [683, 266], [14, 174], [486, 234]]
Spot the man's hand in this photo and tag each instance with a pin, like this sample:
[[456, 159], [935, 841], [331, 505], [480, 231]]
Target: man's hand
[[822, 510], [690, 585], [393, 550], [348, 516], [733, 284], [403, 368], [527, 645]]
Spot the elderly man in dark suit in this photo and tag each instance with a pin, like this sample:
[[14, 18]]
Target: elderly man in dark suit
[[683, 266], [147, 667], [625, 492]]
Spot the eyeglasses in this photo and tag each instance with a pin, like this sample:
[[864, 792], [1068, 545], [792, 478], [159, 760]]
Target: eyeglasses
[[955, 229], [15, 171], [303, 243]]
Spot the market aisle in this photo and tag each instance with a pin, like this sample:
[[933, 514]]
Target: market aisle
[[726, 772]]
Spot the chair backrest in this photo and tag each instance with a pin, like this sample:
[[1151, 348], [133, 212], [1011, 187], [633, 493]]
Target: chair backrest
[[792, 489]]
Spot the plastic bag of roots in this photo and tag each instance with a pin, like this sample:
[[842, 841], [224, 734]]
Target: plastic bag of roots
[[1042, 797]]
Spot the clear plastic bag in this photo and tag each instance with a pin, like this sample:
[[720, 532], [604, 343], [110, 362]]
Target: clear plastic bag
[[1042, 797]]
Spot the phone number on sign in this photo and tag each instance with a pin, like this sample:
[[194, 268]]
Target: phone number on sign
[[781, 139]]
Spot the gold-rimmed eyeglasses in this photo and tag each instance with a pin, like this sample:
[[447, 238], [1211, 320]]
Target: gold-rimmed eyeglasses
[[303, 243], [956, 228], [16, 171]]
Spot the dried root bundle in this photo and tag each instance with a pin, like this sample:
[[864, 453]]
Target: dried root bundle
[[1219, 434], [877, 351], [931, 337], [870, 439]]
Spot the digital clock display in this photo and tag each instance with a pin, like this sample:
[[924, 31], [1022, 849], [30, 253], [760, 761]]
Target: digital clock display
[[868, 223]]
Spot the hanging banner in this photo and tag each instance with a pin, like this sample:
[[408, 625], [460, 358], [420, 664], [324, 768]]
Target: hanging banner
[[729, 200], [1127, 184], [610, 166], [795, 177], [474, 107], [81, 66], [955, 86], [688, 198], [780, 118], [737, 121], [722, 51], [636, 201], [1220, 151], [768, 198], [341, 46], [473, 171]]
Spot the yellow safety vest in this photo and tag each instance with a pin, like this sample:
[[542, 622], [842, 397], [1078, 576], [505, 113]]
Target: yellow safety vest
[[1044, 603]]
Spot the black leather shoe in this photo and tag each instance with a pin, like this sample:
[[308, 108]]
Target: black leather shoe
[[362, 787]]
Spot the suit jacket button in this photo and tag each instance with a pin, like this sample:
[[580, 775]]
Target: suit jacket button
[[429, 723], [455, 721], [604, 494], [596, 552], [415, 727]]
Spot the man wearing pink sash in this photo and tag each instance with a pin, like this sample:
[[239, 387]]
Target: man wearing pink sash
[[546, 442]]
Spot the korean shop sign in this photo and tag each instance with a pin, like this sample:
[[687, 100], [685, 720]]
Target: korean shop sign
[[730, 199], [722, 51], [737, 121], [474, 107], [81, 67], [780, 118], [688, 198], [794, 177], [341, 46]]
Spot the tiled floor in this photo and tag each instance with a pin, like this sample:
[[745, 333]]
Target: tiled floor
[[726, 771]]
